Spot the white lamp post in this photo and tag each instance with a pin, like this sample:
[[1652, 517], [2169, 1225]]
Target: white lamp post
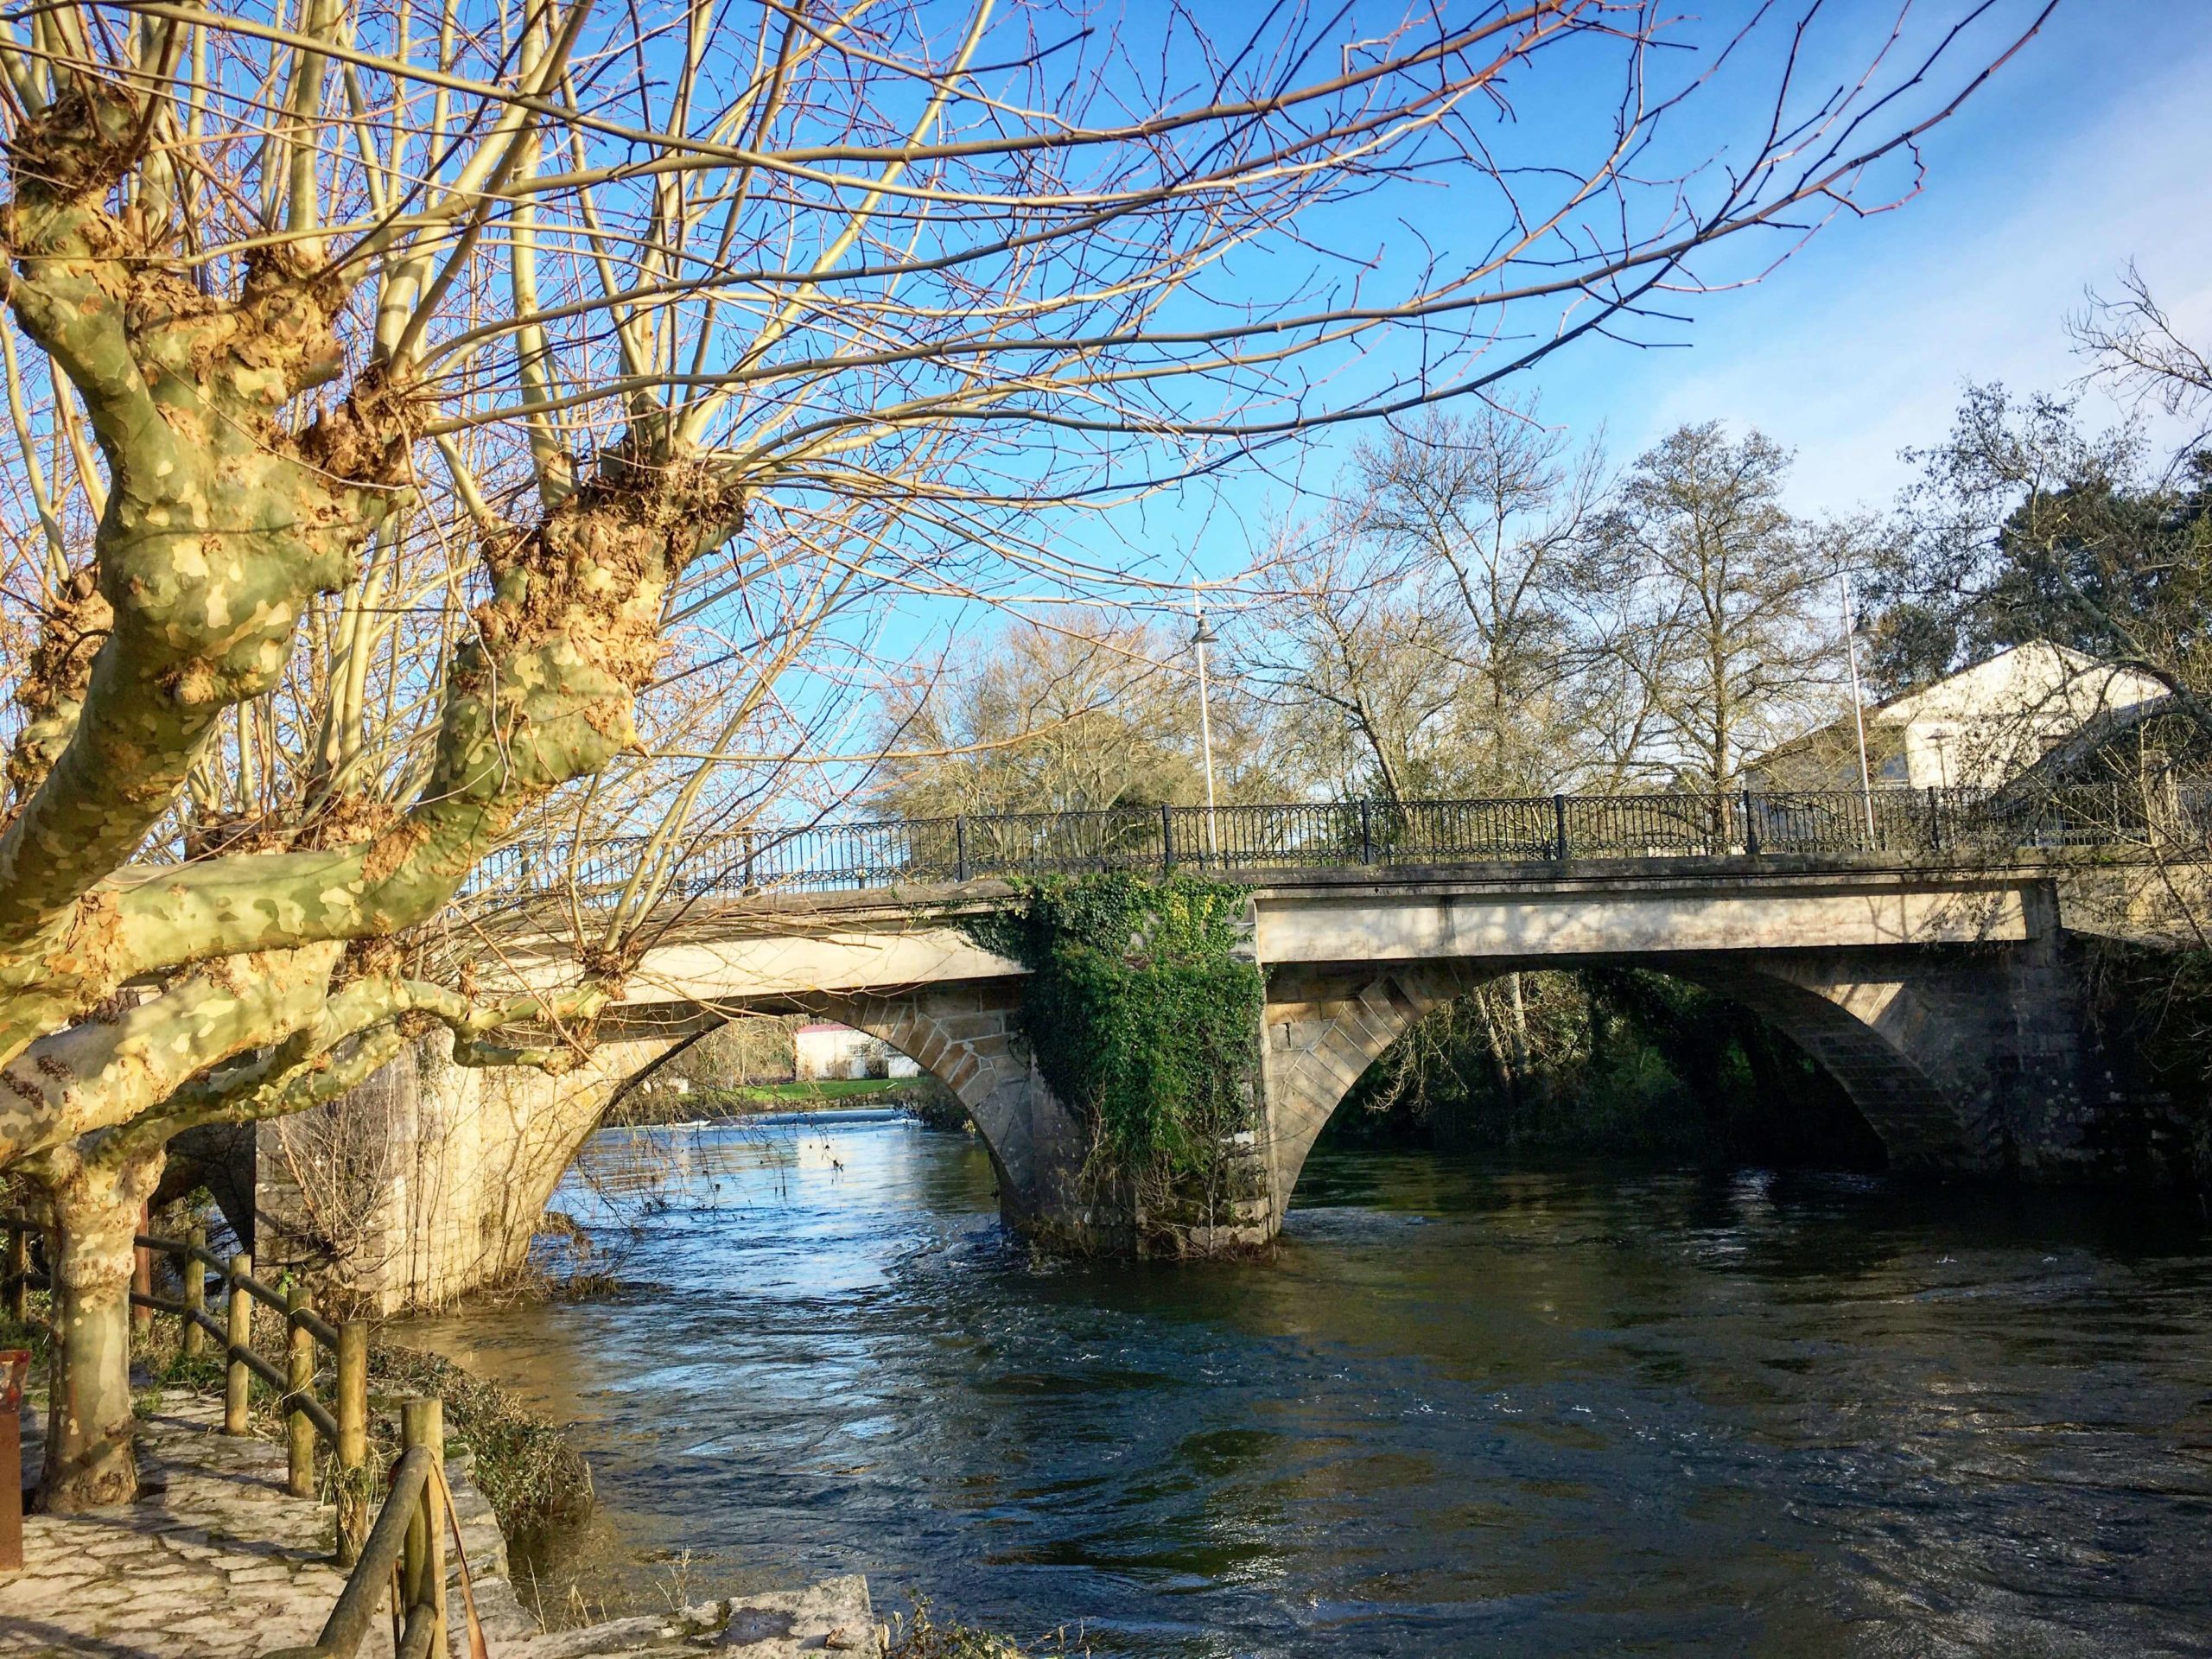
[[1202, 636], [1857, 708]]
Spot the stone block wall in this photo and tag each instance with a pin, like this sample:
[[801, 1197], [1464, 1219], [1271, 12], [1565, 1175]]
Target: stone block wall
[[430, 1180]]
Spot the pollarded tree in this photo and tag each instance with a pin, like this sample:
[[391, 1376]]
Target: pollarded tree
[[392, 389]]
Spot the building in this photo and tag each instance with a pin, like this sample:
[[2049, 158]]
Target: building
[[824, 1049], [1975, 728]]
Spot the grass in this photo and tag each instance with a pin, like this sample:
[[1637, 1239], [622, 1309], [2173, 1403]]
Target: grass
[[748, 1099], [918, 1635], [819, 1089], [525, 1467], [35, 1334]]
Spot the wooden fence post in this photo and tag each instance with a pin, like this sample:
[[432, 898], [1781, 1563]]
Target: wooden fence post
[[299, 1387], [19, 1270], [237, 1379], [421, 1422], [195, 1290], [352, 1441], [412, 1553], [142, 1276], [14, 1363]]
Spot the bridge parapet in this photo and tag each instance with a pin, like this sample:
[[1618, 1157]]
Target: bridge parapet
[[1922, 826]]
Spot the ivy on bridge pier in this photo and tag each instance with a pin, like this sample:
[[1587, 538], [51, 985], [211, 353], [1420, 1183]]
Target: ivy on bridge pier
[[1143, 1011]]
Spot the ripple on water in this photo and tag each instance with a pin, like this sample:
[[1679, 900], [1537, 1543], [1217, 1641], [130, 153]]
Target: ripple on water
[[1462, 1408]]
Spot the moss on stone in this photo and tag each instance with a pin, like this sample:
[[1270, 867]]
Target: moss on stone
[[1142, 1010]]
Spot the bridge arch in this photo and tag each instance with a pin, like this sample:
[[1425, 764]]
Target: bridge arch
[[473, 1156], [963, 1036], [962, 1033], [1897, 1036]]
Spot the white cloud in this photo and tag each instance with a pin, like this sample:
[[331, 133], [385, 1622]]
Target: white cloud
[[1870, 357]]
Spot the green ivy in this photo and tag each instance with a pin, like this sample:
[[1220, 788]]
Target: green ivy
[[1144, 1012]]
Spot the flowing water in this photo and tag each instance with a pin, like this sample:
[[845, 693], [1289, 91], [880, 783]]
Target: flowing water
[[1462, 1409]]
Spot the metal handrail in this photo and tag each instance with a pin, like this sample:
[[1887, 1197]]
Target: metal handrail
[[1502, 829]]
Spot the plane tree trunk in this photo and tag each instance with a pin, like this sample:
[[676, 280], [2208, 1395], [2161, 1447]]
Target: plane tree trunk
[[90, 1426]]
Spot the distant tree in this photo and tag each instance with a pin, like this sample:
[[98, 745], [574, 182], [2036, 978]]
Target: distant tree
[[1707, 589], [2025, 526], [1359, 665], [1487, 508], [2132, 343], [1068, 713], [1422, 633]]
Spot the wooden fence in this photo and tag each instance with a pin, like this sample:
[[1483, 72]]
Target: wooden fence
[[403, 1550]]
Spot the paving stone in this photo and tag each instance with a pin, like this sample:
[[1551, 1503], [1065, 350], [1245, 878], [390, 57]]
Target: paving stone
[[216, 1560]]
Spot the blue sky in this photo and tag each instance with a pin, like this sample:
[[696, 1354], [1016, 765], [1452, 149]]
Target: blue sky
[[2090, 149]]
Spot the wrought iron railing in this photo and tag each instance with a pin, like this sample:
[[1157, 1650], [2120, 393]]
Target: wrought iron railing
[[1305, 835]]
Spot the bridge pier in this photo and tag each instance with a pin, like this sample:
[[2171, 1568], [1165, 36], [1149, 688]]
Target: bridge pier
[[430, 1181]]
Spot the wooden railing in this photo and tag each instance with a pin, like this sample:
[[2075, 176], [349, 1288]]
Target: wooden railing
[[404, 1550], [403, 1554]]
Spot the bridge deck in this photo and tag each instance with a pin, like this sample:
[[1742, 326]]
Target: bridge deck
[[772, 947]]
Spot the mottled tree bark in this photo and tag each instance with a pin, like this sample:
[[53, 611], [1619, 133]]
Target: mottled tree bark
[[221, 524], [90, 1426]]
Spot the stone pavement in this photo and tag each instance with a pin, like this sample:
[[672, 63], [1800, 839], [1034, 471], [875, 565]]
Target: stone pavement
[[217, 1561]]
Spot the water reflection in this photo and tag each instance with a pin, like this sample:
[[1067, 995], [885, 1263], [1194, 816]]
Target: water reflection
[[1461, 1409]]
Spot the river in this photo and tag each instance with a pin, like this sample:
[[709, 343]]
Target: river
[[1462, 1408]]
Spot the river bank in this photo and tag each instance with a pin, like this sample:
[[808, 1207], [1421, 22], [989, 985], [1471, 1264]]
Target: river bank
[[1463, 1406]]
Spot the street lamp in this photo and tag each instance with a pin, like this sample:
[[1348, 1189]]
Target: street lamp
[[1202, 636], [1857, 707]]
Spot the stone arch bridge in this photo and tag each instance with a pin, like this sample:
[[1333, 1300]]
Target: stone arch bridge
[[1946, 1000]]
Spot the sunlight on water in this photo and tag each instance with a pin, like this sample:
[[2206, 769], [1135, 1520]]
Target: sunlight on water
[[1462, 1408]]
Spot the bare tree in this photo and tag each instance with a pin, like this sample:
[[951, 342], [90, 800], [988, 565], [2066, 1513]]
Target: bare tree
[[565, 333], [1072, 712], [2132, 342], [1429, 638], [1362, 670], [1489, 509], [1710, 589]]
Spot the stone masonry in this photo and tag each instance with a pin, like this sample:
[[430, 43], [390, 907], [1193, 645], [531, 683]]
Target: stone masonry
[[217, 1561], [1945, 1001]]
